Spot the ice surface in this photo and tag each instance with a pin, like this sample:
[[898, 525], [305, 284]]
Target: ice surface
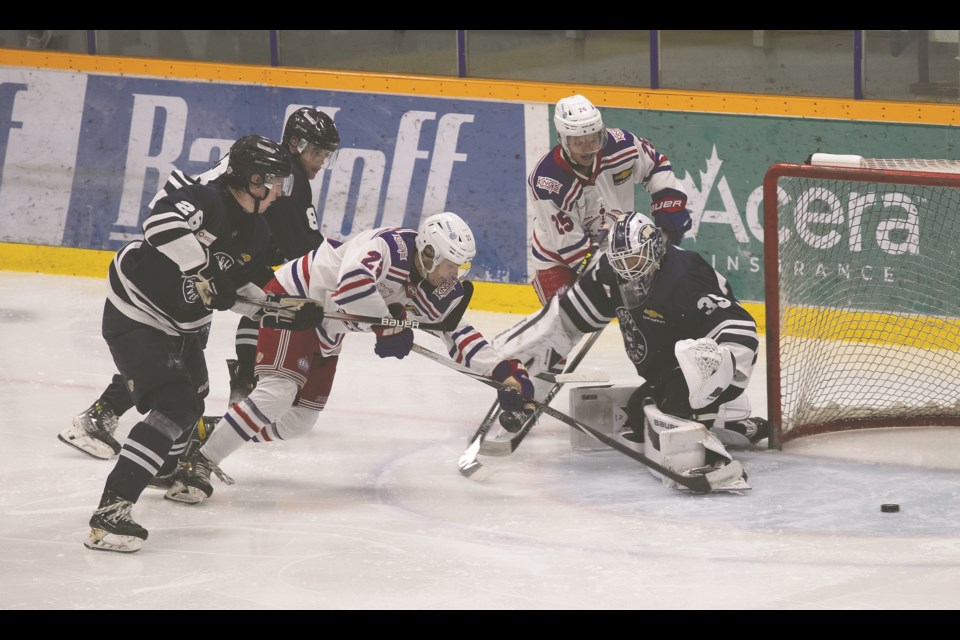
[[368, 511]]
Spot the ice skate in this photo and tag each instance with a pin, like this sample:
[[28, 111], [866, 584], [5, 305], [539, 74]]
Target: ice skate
[[92, 431], [112, 528]]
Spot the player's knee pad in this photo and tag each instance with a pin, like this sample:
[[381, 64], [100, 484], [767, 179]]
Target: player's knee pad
[[273, 396], [174, 409], [296, 422]]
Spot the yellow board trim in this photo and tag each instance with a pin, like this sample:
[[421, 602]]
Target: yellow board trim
[[500, 90], [487, 296]]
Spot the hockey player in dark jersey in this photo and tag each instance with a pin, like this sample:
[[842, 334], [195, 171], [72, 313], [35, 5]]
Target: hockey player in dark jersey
[[678, 317], [312, 141], [201, 243], [377, 273]]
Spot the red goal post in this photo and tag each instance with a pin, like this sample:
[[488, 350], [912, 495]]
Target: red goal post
[[862, 294]]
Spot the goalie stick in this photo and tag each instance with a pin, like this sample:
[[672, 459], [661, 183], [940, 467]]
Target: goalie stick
[[696, 483]]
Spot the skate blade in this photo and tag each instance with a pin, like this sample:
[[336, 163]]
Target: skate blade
[[179, 492], [100, 540], [86, 444]]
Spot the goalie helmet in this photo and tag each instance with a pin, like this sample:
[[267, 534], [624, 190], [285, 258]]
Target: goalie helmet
[[312, 126], [452, 245], [636, 250], [258, 161], [575, 117]]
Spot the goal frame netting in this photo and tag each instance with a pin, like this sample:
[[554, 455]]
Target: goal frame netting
[[933, 173]]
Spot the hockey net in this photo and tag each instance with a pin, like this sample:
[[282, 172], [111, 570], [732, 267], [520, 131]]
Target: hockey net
[[862, 277]]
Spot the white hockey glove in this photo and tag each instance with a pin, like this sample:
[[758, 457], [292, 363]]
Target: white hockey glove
[[707, 367]]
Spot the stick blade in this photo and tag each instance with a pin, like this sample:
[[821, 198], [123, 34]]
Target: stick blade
[[475, 471]]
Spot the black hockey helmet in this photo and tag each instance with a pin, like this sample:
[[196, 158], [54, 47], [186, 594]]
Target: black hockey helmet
[[308, 125], [257, 160]]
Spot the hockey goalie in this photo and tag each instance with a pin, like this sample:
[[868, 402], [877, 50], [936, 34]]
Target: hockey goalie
[[689, 338]]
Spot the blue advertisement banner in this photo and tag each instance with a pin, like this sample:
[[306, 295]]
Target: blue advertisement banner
[[113, 140]]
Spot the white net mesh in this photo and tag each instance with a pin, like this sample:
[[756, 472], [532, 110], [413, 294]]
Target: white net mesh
[[869, 299]]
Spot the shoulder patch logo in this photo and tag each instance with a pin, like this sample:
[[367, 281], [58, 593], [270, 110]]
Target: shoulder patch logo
[[622, 176], [617, 134], [548, 184]]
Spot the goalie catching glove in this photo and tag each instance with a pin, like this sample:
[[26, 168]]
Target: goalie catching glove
[[519, 397], [394, 342], [707, 367], [294, 313]]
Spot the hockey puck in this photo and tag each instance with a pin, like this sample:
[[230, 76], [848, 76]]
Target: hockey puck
[[889, 508], [511, 421]]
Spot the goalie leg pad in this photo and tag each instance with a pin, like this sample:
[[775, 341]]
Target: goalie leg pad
[[686, 447]]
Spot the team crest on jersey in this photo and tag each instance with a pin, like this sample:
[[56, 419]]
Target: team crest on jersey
[[622, 176], [259, 357], [617, 134], [633, 340], [548, 184], [225, 260], [401, 246], [444, 289], [303, 364]]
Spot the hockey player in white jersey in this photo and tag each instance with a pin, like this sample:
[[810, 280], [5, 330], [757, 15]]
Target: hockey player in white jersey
[[583, 185], [377, 273]]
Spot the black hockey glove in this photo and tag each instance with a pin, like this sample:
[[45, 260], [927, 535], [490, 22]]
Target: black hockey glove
[[519, 396], [215, 288], [393, 342], [298, 314]]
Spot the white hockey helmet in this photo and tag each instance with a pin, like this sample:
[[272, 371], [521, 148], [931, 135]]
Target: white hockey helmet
[[576, 116], [636, 250], [452, 244]]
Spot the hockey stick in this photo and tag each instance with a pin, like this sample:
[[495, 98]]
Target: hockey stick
[[468, 464], [290, 304], [507, 446], [696, 483], [593, 375]]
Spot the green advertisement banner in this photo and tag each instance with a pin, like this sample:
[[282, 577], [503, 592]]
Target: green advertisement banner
[[722, 159]]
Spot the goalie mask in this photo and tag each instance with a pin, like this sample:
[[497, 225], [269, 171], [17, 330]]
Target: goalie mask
[[636, 250], [445, 248], [579, 128]]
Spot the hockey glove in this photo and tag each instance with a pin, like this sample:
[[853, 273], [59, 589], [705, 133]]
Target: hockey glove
[[519, 397], [215, 288], [394, 342], [300, 315], [553, 281], [668, 209]]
